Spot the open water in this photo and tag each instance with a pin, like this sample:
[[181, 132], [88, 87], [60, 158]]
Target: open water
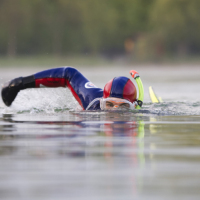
[[50, 149]]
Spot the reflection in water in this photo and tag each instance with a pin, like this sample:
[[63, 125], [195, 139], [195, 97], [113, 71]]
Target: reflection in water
[[108, 151], [48, 152], [99, 155], [5, 147], [123, 132]]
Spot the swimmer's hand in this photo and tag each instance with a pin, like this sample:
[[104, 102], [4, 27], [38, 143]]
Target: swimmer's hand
[[10, 90]]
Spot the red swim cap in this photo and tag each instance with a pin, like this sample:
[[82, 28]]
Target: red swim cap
[[120, 87]]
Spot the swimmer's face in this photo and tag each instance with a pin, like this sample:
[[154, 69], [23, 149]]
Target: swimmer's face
[[115, 103], [120, 105]]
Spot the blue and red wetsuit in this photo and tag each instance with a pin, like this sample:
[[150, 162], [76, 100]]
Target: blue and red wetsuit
[[85, 92], [82, 89]]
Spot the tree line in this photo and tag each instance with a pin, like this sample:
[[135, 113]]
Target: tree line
[[142, 28]]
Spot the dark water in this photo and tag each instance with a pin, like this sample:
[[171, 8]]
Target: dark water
[[49, 149]]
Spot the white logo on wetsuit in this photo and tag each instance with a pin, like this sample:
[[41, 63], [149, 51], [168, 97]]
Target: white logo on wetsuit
[[89, 85]]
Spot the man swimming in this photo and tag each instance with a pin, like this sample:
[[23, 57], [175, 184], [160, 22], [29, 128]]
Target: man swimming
[[118, 93]]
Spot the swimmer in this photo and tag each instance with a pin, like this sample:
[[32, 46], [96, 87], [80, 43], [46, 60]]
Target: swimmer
[[119, 93]]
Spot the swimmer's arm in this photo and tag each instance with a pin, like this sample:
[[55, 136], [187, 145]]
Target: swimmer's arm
[[81, 88], [58, 77], [11, 89]]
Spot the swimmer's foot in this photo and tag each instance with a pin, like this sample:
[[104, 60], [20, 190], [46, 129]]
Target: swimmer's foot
[[10, 90]]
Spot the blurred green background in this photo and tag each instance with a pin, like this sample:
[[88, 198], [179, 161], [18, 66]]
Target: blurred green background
[[100, 30]]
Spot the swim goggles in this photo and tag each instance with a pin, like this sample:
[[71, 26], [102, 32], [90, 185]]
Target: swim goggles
[[115, 103]]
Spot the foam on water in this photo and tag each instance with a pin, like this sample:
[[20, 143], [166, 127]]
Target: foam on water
[[174, 108], [51, 100], [46, 100]]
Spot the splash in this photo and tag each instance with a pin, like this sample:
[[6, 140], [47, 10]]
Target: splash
[[174, 108], [59, 100], [47, 100]]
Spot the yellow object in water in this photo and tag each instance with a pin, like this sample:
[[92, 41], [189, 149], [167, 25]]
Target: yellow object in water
[[153, 97]]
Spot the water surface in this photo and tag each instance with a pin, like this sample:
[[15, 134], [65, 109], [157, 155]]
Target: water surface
[[50, 149]]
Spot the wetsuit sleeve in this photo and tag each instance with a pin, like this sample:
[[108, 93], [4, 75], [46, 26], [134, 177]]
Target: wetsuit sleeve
[[82, 89]]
